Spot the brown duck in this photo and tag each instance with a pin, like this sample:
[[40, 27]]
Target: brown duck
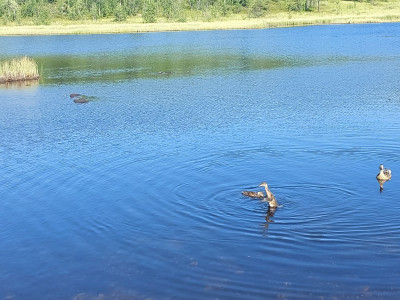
[[270, 197], [253, 194], [384, 174]]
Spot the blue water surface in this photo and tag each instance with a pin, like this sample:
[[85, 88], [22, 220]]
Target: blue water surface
[[137, 194]]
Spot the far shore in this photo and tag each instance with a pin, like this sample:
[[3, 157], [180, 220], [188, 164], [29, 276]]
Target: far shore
[[135, 25]]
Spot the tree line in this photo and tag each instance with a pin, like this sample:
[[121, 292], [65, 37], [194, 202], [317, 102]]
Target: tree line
[[44, 11]]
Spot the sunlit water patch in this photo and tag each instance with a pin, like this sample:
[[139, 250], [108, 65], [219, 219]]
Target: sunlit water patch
[[137, 195]]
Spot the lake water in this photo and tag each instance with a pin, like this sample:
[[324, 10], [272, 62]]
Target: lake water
[[137, 194]]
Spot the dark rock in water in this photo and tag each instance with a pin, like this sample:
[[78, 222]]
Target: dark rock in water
[[81, 100]]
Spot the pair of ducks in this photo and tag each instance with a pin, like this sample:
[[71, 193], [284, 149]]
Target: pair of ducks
[[268, 195], [383, 176]]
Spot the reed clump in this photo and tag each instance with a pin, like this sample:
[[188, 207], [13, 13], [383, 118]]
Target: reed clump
[[18, 69]]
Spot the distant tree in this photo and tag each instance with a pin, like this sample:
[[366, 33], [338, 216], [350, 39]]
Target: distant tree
[[40, 11], [10, 10], [76, 9], [295, 5], [29, 8], [94, 11], [43, 15], [222, 7], [120, 13], [37, 9], [149, 11], [309, 5], [257, 8], [178, 9], [133, 7]]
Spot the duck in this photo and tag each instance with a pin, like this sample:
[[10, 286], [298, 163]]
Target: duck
[[270, 197], [253, 194], [384, 174]]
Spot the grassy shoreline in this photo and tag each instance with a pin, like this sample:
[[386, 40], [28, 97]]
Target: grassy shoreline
[[109, 28], [345, 13]]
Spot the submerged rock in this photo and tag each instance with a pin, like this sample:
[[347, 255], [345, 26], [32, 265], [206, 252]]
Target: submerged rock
[[79, 98], [75, 95]]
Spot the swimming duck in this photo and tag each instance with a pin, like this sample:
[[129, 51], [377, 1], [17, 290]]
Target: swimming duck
[[270, 197], [384, 174], [253, 194]]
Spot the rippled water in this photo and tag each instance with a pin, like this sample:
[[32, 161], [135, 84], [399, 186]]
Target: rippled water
[[137, 194]]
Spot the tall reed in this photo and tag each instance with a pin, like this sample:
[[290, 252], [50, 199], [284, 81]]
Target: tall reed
[[23, 68]]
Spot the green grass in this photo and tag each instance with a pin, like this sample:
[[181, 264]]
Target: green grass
[[18, 69], [331, 12]]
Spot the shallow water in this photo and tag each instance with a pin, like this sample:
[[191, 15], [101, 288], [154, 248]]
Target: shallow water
[[137, 194]]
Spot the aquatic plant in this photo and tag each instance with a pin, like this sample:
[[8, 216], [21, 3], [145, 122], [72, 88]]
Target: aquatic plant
[[16, 69]]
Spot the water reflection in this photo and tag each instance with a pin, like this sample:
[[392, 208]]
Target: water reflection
[[270, 214], [114, 67], [20, 84], [122, 66]]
